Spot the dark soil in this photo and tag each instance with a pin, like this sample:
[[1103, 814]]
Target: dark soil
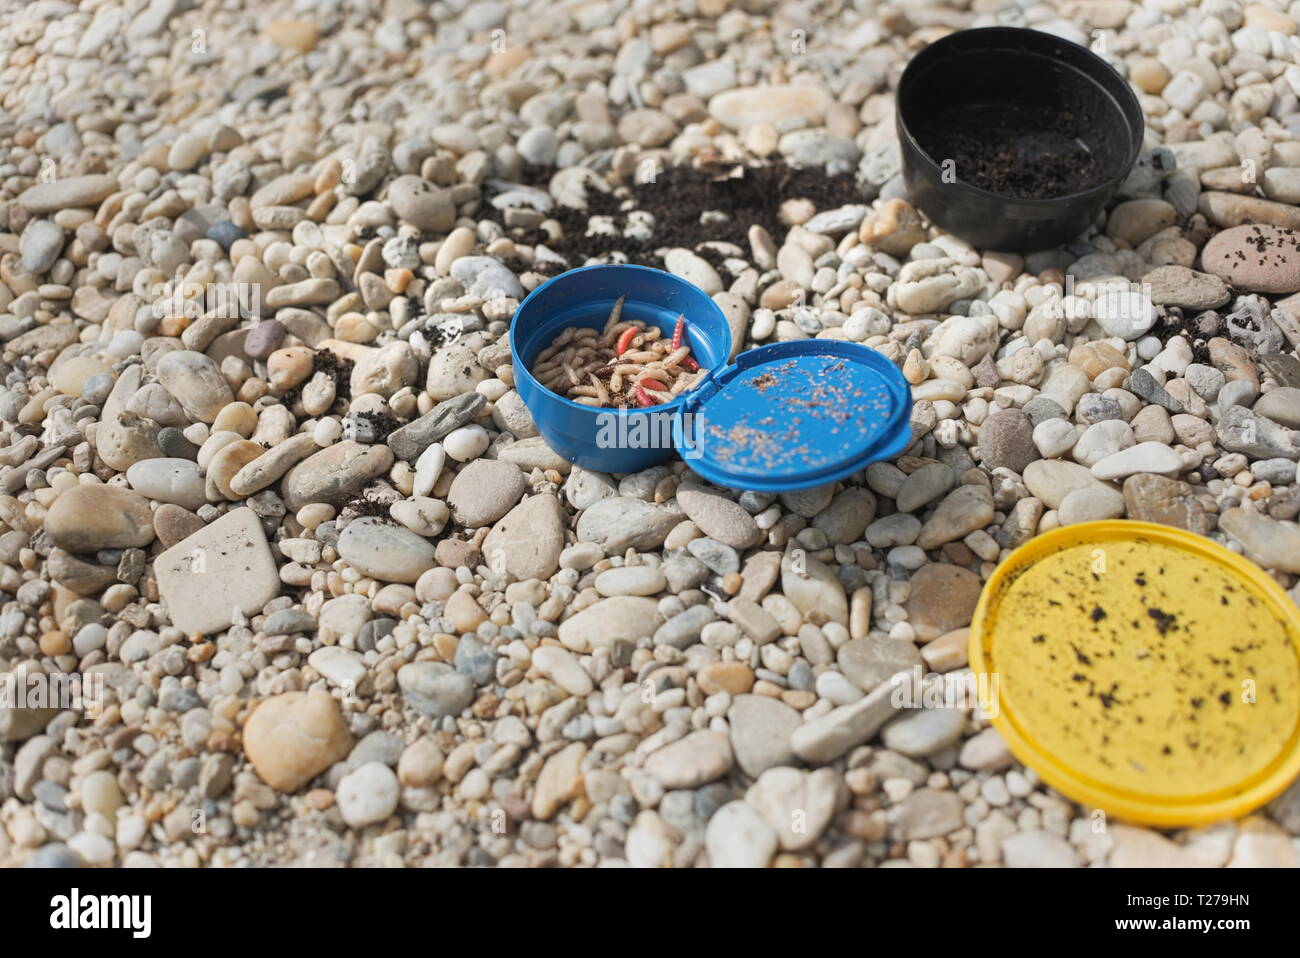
[[367, 507], [1174, 323], [381, 422], [679, 199], [1026, 153], [338, 369]]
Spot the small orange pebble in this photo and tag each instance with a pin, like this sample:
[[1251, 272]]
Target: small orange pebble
[[55, 642], [173, 325], [320, 207], [398, 279], [330, 175], [201, 653]]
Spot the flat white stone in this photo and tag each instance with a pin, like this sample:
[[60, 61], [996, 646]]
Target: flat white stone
[[224, 567]]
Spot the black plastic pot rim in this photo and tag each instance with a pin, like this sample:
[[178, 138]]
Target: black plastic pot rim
[[961, 186]]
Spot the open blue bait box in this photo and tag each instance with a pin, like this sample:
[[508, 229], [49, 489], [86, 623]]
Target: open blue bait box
[[779, 417]]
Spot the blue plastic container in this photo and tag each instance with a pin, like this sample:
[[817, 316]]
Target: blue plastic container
[[781, 417], [611, 440]]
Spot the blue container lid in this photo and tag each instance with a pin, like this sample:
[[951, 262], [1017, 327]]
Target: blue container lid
[[795, 415]]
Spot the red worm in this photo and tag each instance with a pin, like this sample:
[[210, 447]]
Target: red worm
[[678, 332], [644, 397], [625, 340], [689, 364]]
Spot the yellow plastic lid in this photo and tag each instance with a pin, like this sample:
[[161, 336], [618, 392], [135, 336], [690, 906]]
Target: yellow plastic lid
[[1143, 670]]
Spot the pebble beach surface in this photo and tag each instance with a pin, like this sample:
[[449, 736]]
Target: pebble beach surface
[[266, 477]]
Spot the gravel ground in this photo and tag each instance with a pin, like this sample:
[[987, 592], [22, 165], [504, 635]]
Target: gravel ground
[[268, 487]]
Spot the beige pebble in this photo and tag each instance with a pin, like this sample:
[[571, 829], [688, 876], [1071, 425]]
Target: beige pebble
[[290, 366], [238, 417], [226, 464]]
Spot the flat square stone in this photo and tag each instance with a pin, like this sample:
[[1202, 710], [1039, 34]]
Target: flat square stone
[[225, 566]]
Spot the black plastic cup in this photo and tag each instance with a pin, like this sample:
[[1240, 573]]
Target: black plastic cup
[[1014, 139]]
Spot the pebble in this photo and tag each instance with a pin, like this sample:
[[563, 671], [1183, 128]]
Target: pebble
[[693, 269], [561, 667], [1151, 457], [1091, 504], [196, 383], [67, 192], [1037, 848], [559, 781], [483, 491], [619, 523], [760, 731], [924, 485], [920, 732], [409, 441], [527, 540], [422, 204], [1186, 288], [778, 106], [927, 813], [93, 517], [217, 573], [434, 689], [961, 512], [739, 837], [1272, 543], [695, 760], [1006, 440], [293, 737], [178, 481], [1128, 314], [618, 617], [384, 551], [812, 588], [368, 795], [466, 443], [942, 598], [718, 516], [824, 739], [798, 805], [40, 245], [1281, 405], [631, 580], [334, 474], [1259, 258]]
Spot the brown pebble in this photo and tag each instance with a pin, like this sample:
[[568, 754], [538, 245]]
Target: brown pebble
[[55, 643], [453, 553], [799, 699], [446, 645], [736, 678], [173, 523]]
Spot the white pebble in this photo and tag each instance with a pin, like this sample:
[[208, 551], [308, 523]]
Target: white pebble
[[465, 443], [327, 431], [368, 794], [492, 389], [428, 467]]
